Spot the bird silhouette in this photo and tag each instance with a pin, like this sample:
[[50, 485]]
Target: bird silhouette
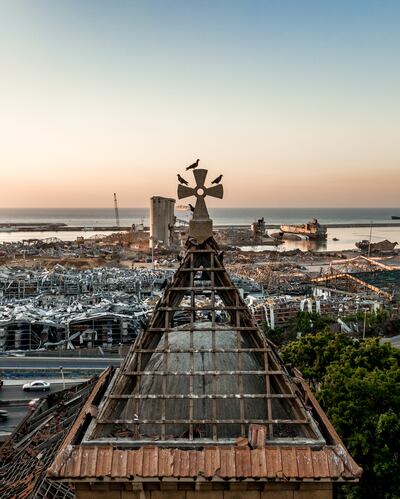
[[217, 180], [182, 180], [194, 165], [191, 207]]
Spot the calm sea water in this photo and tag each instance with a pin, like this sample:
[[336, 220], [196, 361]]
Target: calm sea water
[[226, 216], [92, 217]]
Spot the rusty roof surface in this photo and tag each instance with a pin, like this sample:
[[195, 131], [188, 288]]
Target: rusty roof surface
[[230, 462]]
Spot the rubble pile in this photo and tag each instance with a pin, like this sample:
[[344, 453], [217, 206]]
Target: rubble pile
[[278, 310], [66, 308], [21, 282], [53, 247], [273, 277]]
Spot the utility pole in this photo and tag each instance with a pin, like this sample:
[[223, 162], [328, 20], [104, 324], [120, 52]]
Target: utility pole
[[370, 237], [62, 375], [116, 210], [365, 323]]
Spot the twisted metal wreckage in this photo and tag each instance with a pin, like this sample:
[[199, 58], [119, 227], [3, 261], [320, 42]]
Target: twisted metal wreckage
[[73, 308]]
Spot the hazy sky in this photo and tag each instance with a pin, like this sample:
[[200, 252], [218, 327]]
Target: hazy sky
[[296, 102]]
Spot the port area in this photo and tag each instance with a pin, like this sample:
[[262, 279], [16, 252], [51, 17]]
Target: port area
[[328, 226], [57, 227], [61, 227]]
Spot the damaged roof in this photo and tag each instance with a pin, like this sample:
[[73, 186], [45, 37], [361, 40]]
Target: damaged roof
[[116, 446], [213, 463], [250, 458], [27, 454]]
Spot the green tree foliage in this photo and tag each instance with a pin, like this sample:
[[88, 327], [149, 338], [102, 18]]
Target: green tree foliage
[[359, 388], [313, 353]]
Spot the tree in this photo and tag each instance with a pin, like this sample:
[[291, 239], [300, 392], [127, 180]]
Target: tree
[[364, 406], [359, 388], [313, 353]]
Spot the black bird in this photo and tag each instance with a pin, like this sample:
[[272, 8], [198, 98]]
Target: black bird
[[182, 180], [194, 165], [217, 180], [191, 207]]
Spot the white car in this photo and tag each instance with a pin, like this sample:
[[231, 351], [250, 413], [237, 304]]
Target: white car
[[35, 386]]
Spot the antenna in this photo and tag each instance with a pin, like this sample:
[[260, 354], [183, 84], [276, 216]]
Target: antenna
[[116, 210]]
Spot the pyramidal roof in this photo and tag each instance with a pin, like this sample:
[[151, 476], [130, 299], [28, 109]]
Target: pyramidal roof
[[203, 386], [202, 371]]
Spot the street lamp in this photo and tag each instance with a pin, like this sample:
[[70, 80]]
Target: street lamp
[[62, 375]]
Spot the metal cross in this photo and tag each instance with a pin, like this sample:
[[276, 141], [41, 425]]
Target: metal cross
[[200, 191]]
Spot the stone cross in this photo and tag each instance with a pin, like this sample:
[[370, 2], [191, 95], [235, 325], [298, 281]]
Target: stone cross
[[200, 227]]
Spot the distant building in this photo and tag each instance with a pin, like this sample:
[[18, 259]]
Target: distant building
[[162, 220]]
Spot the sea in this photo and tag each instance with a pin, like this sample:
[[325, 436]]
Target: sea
[[104, 217]]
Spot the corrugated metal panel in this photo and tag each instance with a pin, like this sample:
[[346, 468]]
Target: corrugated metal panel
[[279, 463]]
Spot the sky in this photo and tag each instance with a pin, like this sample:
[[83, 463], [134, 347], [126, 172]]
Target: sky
[[296, 102]]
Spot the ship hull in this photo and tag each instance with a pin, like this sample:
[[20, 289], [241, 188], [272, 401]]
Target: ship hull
[[302, 230]]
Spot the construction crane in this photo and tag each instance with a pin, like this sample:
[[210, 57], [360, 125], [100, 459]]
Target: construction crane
[[116, 210]]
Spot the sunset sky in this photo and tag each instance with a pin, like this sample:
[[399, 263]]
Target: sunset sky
[[296, 102]]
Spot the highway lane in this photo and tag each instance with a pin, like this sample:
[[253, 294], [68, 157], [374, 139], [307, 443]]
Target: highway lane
[[11, 392], [15, 416], [56, 362]]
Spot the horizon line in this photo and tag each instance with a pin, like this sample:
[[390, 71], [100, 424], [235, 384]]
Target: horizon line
[[210, 207]]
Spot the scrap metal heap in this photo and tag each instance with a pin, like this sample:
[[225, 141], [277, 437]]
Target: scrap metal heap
[[203, 401], [67, 308], [27, 454], [384, 284]]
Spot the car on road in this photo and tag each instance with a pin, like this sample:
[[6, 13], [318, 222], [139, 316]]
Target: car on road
[[36, 386], [3, 414]]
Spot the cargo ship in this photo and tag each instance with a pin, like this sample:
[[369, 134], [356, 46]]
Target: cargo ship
[[312, 230]]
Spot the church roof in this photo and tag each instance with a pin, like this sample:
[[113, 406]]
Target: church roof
[[203, 382]]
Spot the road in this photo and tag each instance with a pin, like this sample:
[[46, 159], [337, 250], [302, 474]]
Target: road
[[15, 416], [15, 392], [16, 413], [394, 340], [55, 363]]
